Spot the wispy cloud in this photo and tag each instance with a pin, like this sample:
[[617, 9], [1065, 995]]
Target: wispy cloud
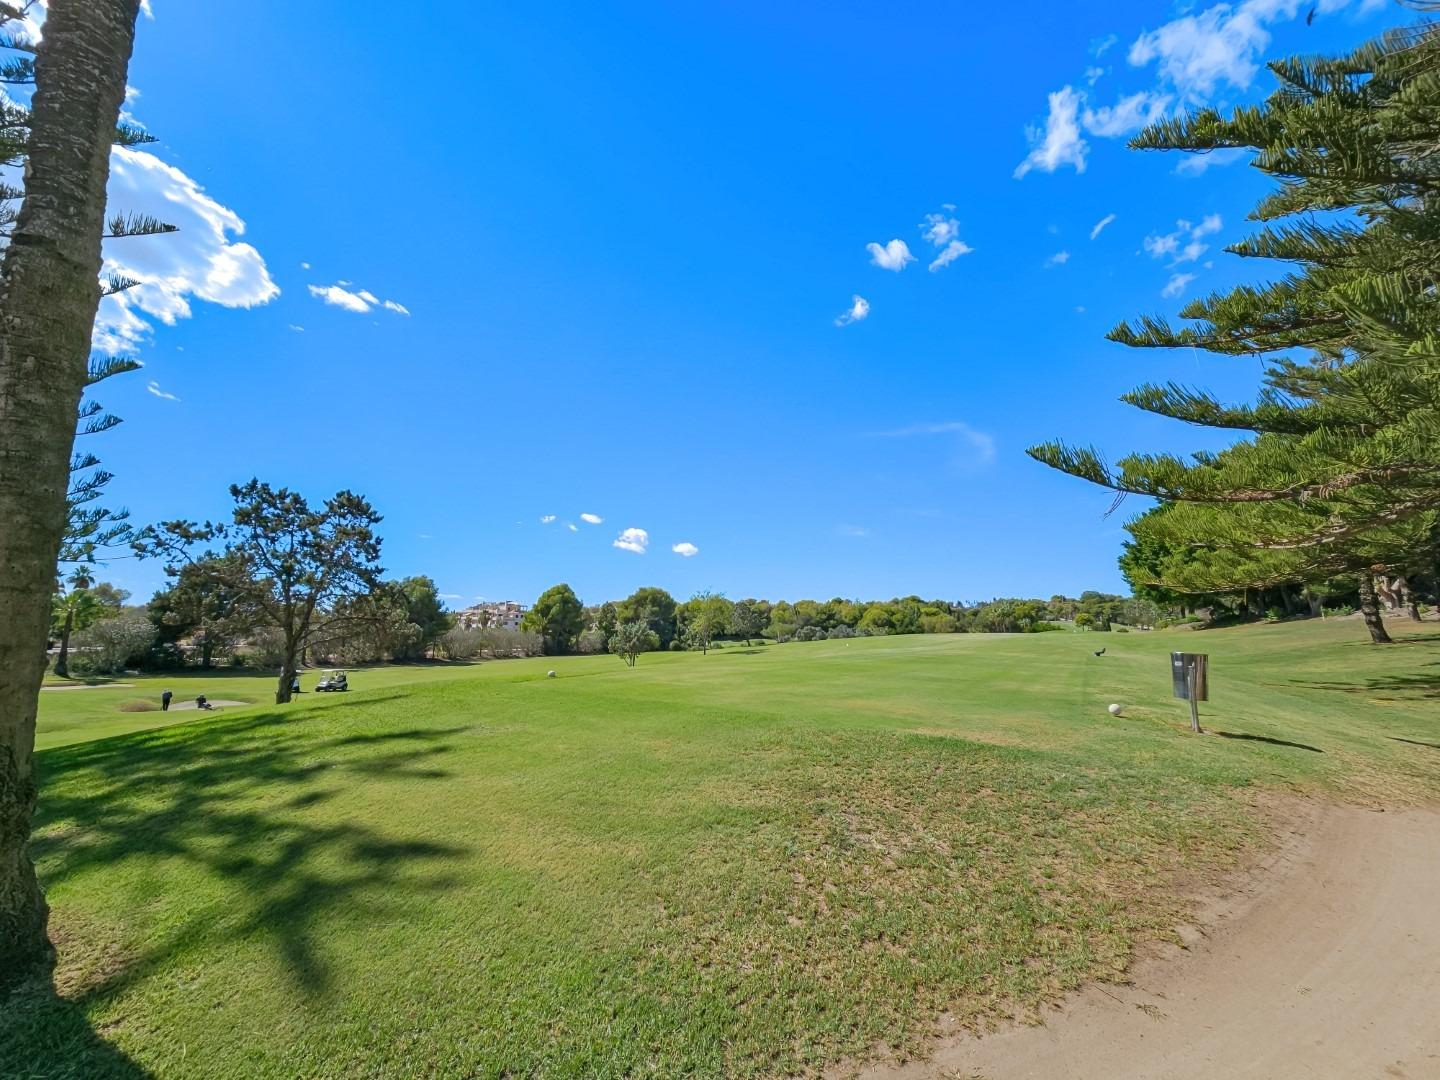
[[591, 519], [154, 388], [859, 309], [1108, 219], [981, 444], [1126, 115], [1060, 258], [1196, 58], [852, 530], [1059, 142], [357, 300], [1198, 164], [943, 232], [687, 549], [636, 540], [339, 297], [1176, 285], [1184, 244], [572, 526], [546, 519], [892, 256]]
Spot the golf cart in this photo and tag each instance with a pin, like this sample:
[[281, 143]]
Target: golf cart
[[332, 680]]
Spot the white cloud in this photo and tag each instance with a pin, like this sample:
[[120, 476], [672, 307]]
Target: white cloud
[[943, 232], [893, 256], [1176, 285], [852, 530], [591, 519], [1126, 115], [297, 328], [636, 540], [357, 300], [1079, 309], [1060, 258], [1196, 53], [547, 519], [450, 596], [1060, 143], [859, 309], [1195, 58], [304, 266], [154, 388], [1100, 225], [1197, 164], [1185, 243], [572, 526], [340, 297], [981, 444], [686, 549], [201, 260]]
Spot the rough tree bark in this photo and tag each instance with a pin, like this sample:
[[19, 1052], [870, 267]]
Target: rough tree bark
[[49, 293], [1370, 610]]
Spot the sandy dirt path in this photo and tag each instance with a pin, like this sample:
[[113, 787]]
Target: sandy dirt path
[[1324, 963]]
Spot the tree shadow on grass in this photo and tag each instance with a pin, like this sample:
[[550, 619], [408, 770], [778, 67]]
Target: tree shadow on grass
[[1267, 739], [236, 798], [43, 1036], [1425, 684], [1414, 742]]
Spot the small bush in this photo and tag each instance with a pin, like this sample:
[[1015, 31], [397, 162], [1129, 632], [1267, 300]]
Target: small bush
[[1273, 614], [1122, 629], [1338, 610]]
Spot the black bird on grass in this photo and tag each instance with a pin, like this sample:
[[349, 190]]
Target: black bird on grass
[[1100, 652]]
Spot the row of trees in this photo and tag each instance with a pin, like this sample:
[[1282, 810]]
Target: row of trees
[[651, 619], [1336, 486]]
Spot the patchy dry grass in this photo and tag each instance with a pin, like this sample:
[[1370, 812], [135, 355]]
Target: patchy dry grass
[[753, 863]]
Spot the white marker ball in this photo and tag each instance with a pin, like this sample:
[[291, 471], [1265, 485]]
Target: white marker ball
[[551, 675], [1115, 710]]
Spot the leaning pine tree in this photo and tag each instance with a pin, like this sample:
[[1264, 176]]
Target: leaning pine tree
[[1341, 473]]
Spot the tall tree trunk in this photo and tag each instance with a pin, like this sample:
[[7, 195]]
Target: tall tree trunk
[[1414, 608], [287, 673], [1313, 599], [49, 293], [1370, 610], [62, 658]]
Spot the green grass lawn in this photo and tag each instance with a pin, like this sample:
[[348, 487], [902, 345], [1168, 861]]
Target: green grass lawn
[[756, 862]]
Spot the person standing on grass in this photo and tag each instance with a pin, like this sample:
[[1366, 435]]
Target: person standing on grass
[[165, 701]]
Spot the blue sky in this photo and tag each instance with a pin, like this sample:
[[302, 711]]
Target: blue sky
[[621, 247]]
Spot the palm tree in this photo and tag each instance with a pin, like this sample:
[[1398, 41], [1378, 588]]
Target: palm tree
[[74, 610]]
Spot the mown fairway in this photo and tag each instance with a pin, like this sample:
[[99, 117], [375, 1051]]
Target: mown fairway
[[755, 862]]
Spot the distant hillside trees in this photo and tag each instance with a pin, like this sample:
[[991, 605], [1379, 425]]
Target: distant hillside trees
[[703, 618], [655, 608], [559, 618]]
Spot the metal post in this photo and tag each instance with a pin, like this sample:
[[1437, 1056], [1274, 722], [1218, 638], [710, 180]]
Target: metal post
[[1194, 710]]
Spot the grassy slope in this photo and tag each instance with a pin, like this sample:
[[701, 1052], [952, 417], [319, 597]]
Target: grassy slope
[[752, 862]]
